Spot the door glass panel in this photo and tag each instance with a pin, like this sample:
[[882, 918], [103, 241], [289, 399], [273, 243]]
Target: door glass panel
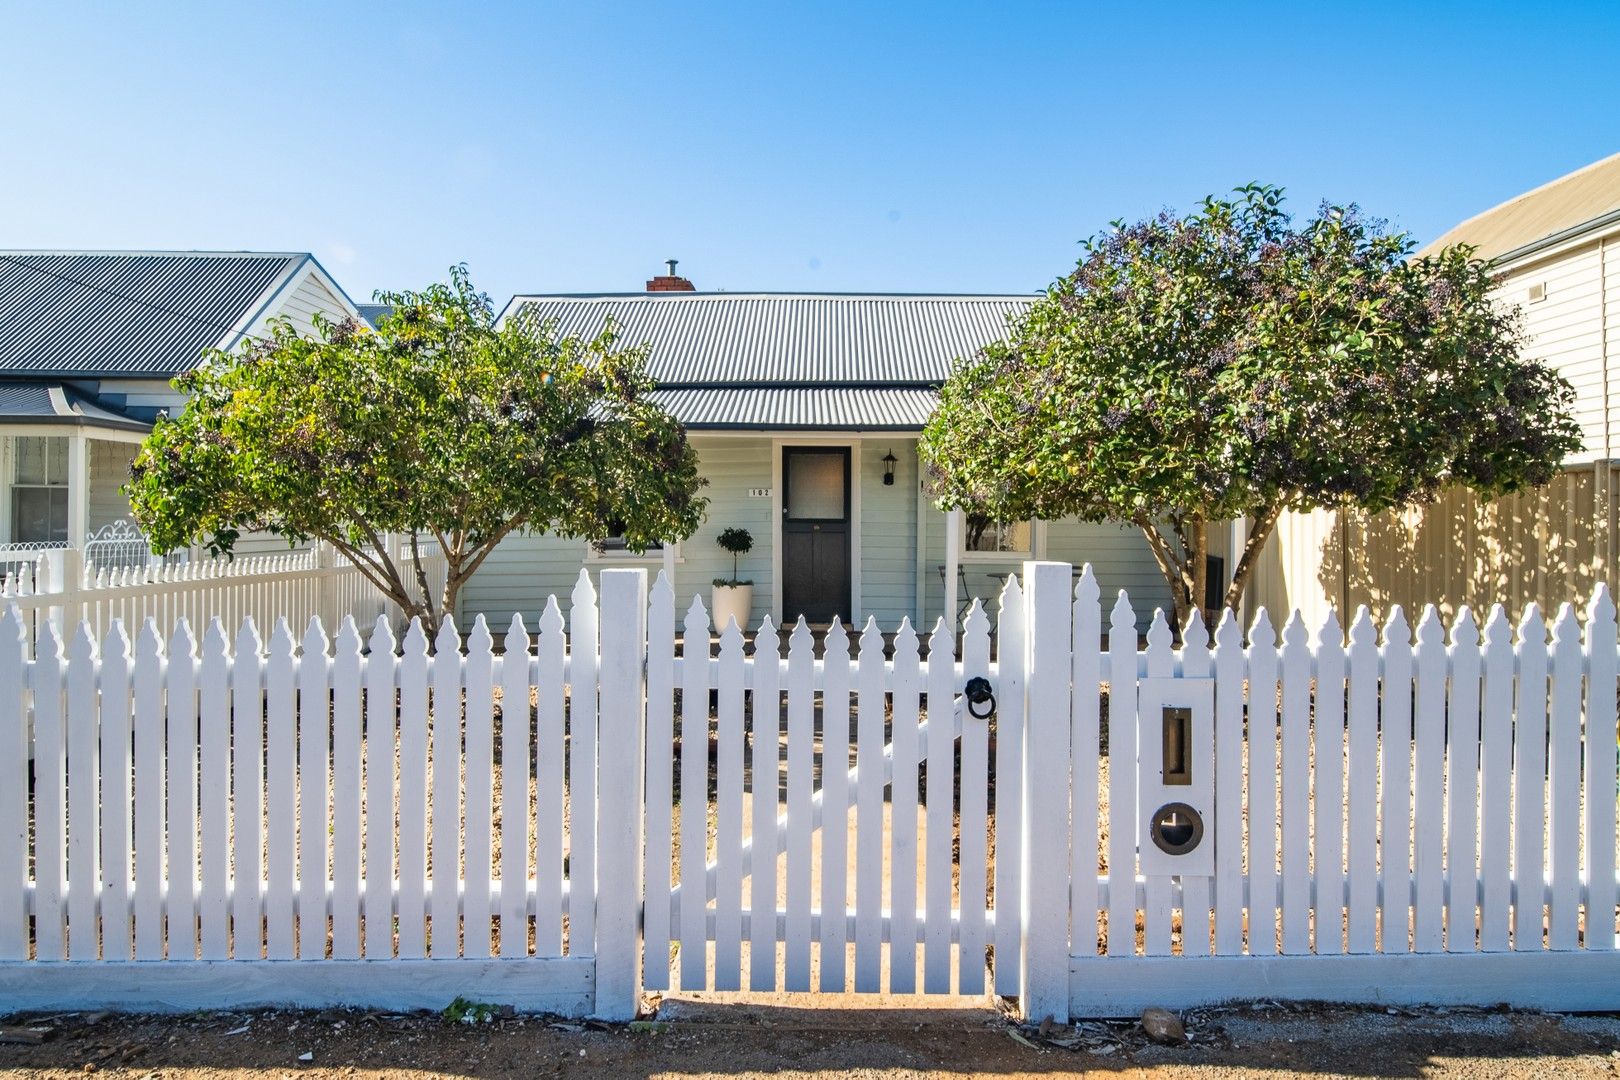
[[815, 485]]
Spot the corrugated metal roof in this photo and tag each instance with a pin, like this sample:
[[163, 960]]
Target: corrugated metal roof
[[731, 338], [53, 403], [847, 408], [142, 314], [1562, 206], [374, 314]]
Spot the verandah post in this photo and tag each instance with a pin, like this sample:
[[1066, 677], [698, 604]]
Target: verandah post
[[1044, 918], [620, 793]]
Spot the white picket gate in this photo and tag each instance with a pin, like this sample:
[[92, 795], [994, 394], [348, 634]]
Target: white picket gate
[[1343, 817]]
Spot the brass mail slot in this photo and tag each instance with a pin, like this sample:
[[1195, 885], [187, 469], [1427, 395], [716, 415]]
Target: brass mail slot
[[1177, 728]]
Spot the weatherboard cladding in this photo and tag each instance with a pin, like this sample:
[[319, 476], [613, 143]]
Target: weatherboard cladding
[[139, 314], [731, 338]]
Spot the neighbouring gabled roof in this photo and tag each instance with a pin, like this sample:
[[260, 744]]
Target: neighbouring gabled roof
[[1565, 208], [781, 340], [134, 314], [53, 403]]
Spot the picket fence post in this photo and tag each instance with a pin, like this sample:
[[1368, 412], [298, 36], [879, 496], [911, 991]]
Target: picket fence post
[[621, 724], [1044, 911]]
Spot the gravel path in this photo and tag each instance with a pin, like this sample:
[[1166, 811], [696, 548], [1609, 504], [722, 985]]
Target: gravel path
[[696, 1039]]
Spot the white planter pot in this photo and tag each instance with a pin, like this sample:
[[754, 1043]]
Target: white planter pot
[[728, 602]]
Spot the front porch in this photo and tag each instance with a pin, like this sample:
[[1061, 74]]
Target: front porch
[[63, 463]]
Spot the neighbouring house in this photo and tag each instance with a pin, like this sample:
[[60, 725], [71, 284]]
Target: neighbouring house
[[89, 341], [1557, 249], [805, 410]]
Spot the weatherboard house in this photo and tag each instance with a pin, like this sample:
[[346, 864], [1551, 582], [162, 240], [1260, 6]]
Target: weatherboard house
[[89, 341], [804, 410]]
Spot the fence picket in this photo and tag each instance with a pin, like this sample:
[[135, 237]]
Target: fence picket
[[764, 769], [905, 715], [972, 859], [1121, 779], [514, 789], [347, 666], [83, 787], [381, 726], [1197, 890], [411, 914], [1156, 909], [1600, 765], [446, 818], [280, 793], [1395, 744], [549, 747], [1329, 799], [1496, 783], [1263, 778], [868, 813], [1012, 650], [800, 766], [50, 796], [940, 802], [660, 788], [582, 781], [13, 786], [835, 808], [1529, 782], [1231, 671], [695, 800], [1462, 783], [1296, 787], [314, 810], [480, 769], [728, 838], [1564, 783], [214, 794], [117, 832], [1428, 786], [149, 734], [247, 790], [1085, 730], [181, 823]]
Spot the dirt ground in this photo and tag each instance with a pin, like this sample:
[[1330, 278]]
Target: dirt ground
[[698, 1039]]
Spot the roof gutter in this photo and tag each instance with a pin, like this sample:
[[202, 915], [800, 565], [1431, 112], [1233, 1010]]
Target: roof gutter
[[1574, 232]]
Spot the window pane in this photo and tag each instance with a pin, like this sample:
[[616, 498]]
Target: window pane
[[815, 485], [56, 454], [30, 460], [1015, 536], [38, 514], [615, 545], [1012, 537]]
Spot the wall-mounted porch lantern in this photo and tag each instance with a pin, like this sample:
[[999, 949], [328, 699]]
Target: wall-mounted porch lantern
[[888, 468]]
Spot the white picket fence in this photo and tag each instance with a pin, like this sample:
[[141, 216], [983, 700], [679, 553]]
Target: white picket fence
[[297, 586], [1383, 821]]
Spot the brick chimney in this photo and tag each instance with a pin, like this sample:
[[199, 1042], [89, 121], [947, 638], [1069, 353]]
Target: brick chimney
[[670, 282]]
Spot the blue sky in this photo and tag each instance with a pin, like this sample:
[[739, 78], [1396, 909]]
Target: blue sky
[[901, 147]]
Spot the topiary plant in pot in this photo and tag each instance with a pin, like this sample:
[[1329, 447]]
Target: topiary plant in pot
[[732, 597]]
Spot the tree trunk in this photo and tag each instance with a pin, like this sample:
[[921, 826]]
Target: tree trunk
[[1261, 525]]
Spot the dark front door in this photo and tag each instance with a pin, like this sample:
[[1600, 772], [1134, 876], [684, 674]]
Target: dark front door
[[815, 533]]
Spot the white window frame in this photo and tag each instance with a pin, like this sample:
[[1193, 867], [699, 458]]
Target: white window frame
[[65, 485], [625, 555], [967, 554]]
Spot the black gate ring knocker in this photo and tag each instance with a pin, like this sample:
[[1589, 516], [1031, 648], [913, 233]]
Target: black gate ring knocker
[[978, 692]]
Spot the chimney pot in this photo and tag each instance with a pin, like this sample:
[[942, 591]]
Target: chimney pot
[[670, 282]]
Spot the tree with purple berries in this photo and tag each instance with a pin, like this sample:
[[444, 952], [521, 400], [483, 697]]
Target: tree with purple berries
[[1229, 364]]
